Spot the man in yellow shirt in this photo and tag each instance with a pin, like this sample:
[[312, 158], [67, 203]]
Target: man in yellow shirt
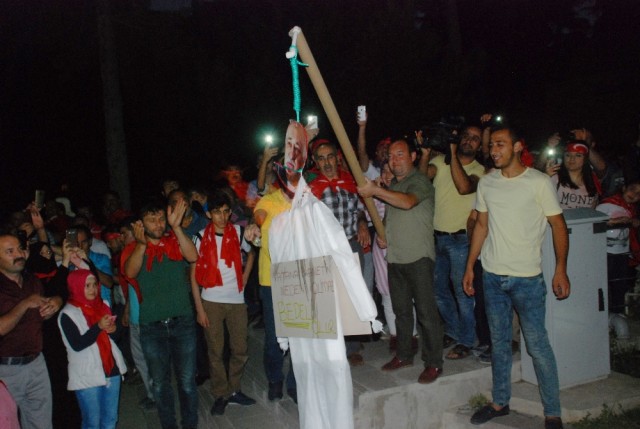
[[455, 181], [271, 205]]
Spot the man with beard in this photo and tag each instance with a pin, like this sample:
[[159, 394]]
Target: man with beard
[[192, 222], [455, 178], [22, 311], [514, 205], [167, 322]]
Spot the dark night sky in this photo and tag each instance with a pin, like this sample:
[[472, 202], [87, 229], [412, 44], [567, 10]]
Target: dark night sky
[[199, 90]]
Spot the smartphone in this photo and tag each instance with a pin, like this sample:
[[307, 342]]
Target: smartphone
[[312, 122], [72, 237], [554, 156], [39, 199], [362, 113]]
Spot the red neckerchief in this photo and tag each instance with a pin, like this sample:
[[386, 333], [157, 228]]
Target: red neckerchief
[[344, 181], [49, 275], [126, 252], [207, 272], [240, 188], [619, 201], [597, 184], [92, 311], [526, 158], [634, 242], [168, 245]]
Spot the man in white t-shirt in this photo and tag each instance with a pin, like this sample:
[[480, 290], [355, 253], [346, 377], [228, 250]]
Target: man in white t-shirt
[[219, 272], [514, 205]]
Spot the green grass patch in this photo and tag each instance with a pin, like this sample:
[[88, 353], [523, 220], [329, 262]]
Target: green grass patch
[[478, 401], [610, 418]]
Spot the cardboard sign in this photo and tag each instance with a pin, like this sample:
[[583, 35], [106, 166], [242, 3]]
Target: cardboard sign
[[306, 294]]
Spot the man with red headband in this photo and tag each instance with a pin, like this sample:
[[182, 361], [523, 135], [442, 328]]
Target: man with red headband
[[167, 322], [23, 308]]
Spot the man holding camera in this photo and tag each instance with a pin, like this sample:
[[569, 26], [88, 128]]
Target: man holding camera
[[455, 178]]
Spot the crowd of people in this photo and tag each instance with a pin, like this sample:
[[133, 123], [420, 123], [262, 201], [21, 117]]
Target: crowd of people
[[87, 299]]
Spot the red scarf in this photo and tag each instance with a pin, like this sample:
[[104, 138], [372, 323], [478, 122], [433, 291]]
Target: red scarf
[[596, 183], [344, 181], [634, 242], [168, 245], [126, 252], [240, 188], [46, 276], [207, 272], [92, 311]]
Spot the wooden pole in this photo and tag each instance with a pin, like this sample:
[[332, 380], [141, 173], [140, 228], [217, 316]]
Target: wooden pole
[[338, 128]]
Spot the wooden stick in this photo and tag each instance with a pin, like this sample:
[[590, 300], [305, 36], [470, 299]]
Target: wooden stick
[[336, 124]]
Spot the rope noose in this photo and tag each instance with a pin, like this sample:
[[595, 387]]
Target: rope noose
[[292, 54]]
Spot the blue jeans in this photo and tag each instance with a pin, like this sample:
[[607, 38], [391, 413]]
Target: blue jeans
[[99, 405], [451, 260], [273, 356], [172, 342], [527, 295]]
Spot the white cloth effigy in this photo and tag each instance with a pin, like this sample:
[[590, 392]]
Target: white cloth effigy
[[308, 230]]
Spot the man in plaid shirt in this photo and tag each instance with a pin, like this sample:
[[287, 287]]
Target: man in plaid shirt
[[335, 187]]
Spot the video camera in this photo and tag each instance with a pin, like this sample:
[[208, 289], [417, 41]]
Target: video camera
[[439, 135]]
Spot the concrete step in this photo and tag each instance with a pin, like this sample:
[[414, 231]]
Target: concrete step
[[458, 418], [617, 390]]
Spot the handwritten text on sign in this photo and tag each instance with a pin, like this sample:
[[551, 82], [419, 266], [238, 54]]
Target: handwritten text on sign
[[304, 301]]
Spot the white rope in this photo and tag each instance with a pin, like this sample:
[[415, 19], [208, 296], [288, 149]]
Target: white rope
[[293, 33]]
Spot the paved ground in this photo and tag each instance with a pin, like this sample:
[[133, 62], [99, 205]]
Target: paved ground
[[284, 414], [264, 414]]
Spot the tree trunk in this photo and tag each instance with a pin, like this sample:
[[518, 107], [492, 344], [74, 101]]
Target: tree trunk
[[453, 28], [112, 100]]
